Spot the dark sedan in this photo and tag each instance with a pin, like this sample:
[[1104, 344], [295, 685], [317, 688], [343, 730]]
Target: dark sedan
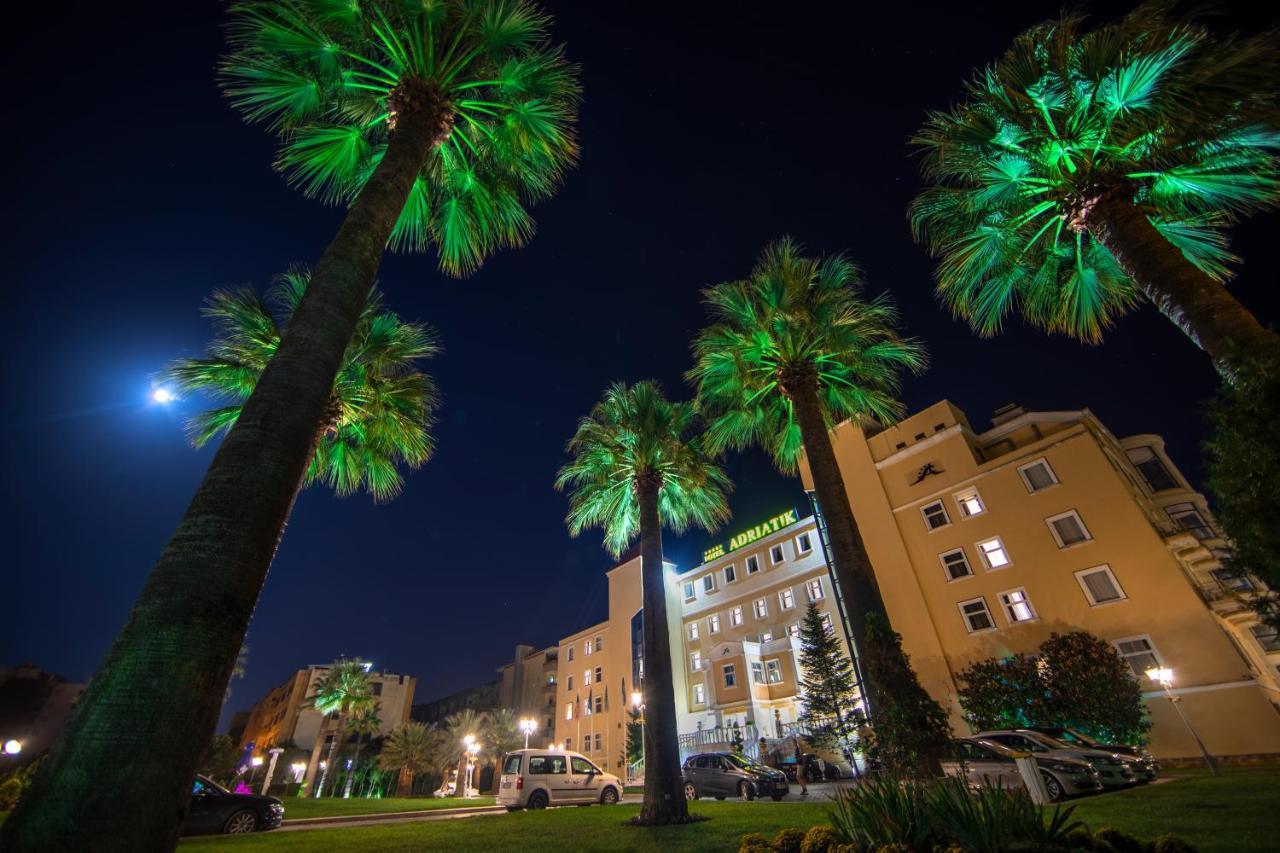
[[727, 774], [214, 810]]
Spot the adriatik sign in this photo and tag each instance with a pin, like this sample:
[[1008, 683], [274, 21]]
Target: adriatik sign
[[746, 537]]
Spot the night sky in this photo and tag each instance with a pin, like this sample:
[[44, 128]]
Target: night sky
[[707, 129]]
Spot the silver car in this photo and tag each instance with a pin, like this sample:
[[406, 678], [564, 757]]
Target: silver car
[[984, 762], [1144, 765], [1113, 771]]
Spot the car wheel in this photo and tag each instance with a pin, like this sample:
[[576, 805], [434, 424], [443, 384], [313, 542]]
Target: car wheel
[[1052, 786], [513, 808], [719, 796], [690, 792], [609, 797], [537, 800], [746, 791], [240, 823], [777, 798]]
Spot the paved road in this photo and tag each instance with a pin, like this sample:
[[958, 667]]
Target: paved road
[[387, 817]]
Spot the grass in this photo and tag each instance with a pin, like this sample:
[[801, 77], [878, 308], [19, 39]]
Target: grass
[[298, 807]]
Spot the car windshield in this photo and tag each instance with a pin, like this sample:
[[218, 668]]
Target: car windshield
[[742, 762], [207, 786], [1072, 736]]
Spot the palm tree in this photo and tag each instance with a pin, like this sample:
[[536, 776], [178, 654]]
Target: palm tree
[[636, 466], [500, 734], [380, 409], [364, 720], [438, 124], [792, 350], [342, 691], [459, 726], [1089, 168], [410, 749]]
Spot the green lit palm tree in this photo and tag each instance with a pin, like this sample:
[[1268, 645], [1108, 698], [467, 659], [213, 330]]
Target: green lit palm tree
[[501, 734], [792, 350], [410, 749], [379, 413], [438, 124], [363, 722], [1091, 167], [637, 465], [342, 691]]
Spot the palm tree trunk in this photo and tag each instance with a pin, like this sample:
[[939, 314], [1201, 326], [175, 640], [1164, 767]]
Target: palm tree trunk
[[1204, 309], [119, 777], [313, 763], [328, 762], [355, 765], [664, 800]]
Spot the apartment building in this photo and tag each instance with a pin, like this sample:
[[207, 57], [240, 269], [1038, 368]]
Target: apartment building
[[984, 543], [527, 687]]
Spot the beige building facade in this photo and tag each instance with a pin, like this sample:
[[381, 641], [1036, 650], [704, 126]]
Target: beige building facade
[[527, 687]]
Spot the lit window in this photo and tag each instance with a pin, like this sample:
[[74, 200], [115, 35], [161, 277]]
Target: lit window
[[1267, 637], [695, 661], [757, 672], [793, 631], [1140, 653], [775, 554], [814, 589], [970, 503], [700, 694], [693, 630], [586, 707], [766, 637], [804, 543], [762, 608], [787, 599], [1037, 476], [774, 670], [1017, 606], [827, 624], [586, 678], [955, 564], [935, 515], [993, 553], [1068, 529], [568, 711], [586, 647], [753, 564], [735, 616], [730, 675], [1189, 519], [688, 591], [713, 623], [730, 575], [1100, 585], [708, 583], [976, 616]]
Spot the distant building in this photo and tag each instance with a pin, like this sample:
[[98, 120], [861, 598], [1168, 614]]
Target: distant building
[[33, 706], [482, 697], [527, 687]]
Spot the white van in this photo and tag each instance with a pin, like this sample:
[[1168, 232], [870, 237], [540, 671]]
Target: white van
[[537, 778]]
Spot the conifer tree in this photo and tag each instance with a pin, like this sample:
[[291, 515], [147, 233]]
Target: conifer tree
[[827, 684]]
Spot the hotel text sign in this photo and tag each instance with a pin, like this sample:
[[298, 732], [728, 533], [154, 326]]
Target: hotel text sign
[[760, 531]]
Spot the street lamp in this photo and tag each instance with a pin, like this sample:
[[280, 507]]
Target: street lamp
[[637, 702], [1164, 675], [473, 749], [528, 726], [12, 747]]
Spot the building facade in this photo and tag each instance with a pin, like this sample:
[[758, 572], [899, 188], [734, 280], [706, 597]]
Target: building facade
[[527, 687], [33, 706], [985, 543]]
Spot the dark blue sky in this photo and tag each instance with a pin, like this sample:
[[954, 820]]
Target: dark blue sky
[[708, 129]]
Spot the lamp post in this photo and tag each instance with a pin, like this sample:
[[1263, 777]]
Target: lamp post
[[274, 752], [637, 702], [472, 750], [528, 726], [12, 747], [256, 761], [1164, 675]]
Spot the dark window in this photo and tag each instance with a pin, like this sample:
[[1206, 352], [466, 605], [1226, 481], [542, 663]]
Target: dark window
[[512, 765], [541, 765], [377, 688], [1152, 469]]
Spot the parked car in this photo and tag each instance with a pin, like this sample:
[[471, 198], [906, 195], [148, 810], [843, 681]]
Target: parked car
[[537, 778], [727, 774], [985, 762], [1144, 765], [215, 810], [1113, 770]]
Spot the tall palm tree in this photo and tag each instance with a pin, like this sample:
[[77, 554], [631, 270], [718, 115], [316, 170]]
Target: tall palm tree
[[638, 465], [410, 749], [792, 350], [343, 691], [465, 723], [500, 734], [1089, 168], [438, 124], [380, 410], [363, 721]]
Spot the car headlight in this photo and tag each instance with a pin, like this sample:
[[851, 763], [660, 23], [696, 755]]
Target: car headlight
[[278, 808]]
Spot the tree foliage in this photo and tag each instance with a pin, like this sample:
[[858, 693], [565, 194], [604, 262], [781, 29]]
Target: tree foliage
[[327, 77], [1074, 680], [1154, 107], [412, 747], [910, 733], [828, 687], [382, 406]]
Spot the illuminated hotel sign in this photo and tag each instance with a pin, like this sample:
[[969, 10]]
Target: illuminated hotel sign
[[760, 531]]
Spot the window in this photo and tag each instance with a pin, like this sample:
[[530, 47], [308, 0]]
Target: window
[[1037, 476], [599, 706], [793, 631], [700, 694], [1140, 653], [1152, 469], [757, 672], [730, 675], [693, 630], [570, 657], [774, 670], [970, 503], [735, 616], [787, 599], [761, 608], [1017, 606], [569, 683], [599, 643], [1267, 637], [753, 564], [708, 583], [568, 743], [599, 678], [814, 589], [775, 555], [597, 750], [766, 637], [713, 623], [1068, 529], [377, 688], [1100, 585], [568, 711], [994, 554], [1189, 519], [586, 647], [688, 591], [580, 765], [827, 624], [935, 515], [512, 765], [976, 616], [955, 564], [1232, 581], [586, 678], [540, 765], [804, 543], [586, 707], [729, 574], [695, 661]]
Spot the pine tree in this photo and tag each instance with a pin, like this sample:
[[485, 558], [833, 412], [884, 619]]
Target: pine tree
[[826, 682]]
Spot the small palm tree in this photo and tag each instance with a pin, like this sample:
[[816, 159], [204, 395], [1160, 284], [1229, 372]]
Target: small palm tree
[[363, 721], [380, 410], [410, 749], [342, 691], [1089, 168], [500, 735], [792, 350], [638, 465]]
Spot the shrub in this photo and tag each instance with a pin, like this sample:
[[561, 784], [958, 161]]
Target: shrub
[[1121, 842], [1173, 844], [788, 840], [882, 810], [754, 842], [10, 790], [819, 839]]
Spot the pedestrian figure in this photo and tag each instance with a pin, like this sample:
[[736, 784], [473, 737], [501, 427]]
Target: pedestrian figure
[[800, 770]]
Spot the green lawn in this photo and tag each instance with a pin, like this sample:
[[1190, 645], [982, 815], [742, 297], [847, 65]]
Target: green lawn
[[297, 807]]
